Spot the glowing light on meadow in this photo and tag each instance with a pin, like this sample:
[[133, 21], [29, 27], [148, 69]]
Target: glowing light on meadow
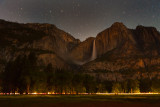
[[52, 93], [126, 93]]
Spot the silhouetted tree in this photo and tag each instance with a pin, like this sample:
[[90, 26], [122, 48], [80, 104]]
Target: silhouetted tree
[[116, 88], [63, 81], [133, 86], [125, 86], [155, 86], [50, 72], [78, 83], [145, 85], [90, 84], [108, 86]]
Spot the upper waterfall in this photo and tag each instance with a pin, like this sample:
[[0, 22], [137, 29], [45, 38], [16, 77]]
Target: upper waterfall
[[94, 52]]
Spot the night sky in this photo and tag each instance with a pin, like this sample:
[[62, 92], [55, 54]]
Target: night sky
[[83, 18]]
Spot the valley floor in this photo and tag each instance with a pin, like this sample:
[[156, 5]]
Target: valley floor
[[80, 101]]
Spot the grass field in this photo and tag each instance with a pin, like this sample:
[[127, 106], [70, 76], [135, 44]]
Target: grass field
[[80, 101]]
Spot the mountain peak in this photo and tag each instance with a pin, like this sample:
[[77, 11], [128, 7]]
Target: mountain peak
[[118, 24], [141, 27]]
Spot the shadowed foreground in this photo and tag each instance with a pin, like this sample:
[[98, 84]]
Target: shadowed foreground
[[80, 100]]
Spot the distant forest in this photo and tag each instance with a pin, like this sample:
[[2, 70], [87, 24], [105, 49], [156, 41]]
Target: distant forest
[[24, 76]]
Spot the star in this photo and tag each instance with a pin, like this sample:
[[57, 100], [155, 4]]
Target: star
[[96, 2], [62, 11], [153, 16], [125, 3], [78, 5], [50, 11], [124, 12]]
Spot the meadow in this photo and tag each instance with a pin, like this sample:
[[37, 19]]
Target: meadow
[[140, 100]]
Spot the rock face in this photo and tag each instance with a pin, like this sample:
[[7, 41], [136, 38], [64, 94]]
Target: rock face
[[51, 44], [114, 37], [118, 49], [82, 53], [121, 48]]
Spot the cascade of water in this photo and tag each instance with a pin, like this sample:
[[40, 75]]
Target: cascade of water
[[94, 53]]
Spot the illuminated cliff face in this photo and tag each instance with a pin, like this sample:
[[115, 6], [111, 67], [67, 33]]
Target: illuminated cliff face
[[114, 49]]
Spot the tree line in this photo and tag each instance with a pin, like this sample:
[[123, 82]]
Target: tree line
[[24, 76]]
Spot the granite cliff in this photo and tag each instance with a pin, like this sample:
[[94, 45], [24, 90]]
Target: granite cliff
[[50, 44], [120, 51], [126, 53]]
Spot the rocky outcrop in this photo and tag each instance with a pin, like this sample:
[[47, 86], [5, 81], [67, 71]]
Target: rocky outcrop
[[82, 53], [112, 38], [118, 48], [51, 44], [121, 48]]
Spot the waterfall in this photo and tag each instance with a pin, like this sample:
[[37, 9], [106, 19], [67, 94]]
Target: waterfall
[[94, 53]]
